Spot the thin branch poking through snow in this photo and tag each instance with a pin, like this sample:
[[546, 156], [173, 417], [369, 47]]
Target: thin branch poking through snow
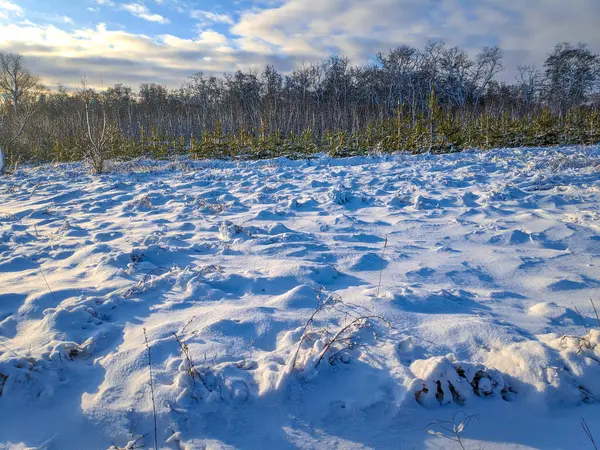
[[151, 389], [596, 311], [11, 350], [381, 269], [330, 301], [47, 285], [456, 430], [587, 430], [192, 370], [582, 321], [338, 335]]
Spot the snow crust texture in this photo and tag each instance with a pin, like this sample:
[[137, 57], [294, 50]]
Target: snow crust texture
[[331, 303]]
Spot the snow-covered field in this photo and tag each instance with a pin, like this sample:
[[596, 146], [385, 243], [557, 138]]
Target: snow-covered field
[[479, 302]]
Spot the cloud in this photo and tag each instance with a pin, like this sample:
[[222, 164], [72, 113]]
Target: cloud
[[288, 33], [207, 17], [57, 18], [140, 10], [7, 8], [313, 29], [115, 56]]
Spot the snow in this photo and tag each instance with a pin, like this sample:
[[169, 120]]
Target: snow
[[240, 274]]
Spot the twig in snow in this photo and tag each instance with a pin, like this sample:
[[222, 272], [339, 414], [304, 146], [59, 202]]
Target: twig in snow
[[192, 370], [47, 285], [11, 350], [158, 270], [582, 321], [381, 269], [359, 321], [457, 428], [33, 190], [187, 325], [588, 432], [134, 444], [151, 389], [329, 301], [141, 286], [596, 311], [585, 392]]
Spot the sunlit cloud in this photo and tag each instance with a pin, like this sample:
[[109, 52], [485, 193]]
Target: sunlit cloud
[[8, 8], [311, 29], [285, 33], [207, 17], [141, 11], [110, 56]]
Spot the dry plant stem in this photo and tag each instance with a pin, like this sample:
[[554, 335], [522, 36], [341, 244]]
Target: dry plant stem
[[582, 321], [187, 325], [587, 394], [338, 353], [457, 428], [137, 443], [588, 432], [141, 286], [330, 301], [48, 286], [11, 350], [596, 311], [381, 269], [192, 367], [336, 338], [158, 270], [34, 189], [151, 389]]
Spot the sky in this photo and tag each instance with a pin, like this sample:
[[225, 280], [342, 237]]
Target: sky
[[166, 41]]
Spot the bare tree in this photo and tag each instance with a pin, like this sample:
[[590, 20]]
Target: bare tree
[[19, 88], [96, 128], [487, 65], [11, 132], [15, 80], [529, 82], [571, 74]]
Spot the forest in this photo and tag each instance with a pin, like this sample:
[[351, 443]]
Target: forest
[[434, 99]]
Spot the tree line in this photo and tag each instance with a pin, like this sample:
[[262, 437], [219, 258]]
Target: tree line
[[437, 98]]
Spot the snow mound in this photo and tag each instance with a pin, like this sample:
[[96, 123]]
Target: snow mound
[[548, 310], [443, 380], [368, 262], [302, 296], [252, 303]]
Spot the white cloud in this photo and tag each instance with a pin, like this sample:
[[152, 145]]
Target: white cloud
[[140, 10], [7, 7], [207, 17], [57, 18], [291, 32], [65, 56], [313, 29]]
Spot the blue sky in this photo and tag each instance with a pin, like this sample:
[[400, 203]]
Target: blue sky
[[175, 17], [134, 41]]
